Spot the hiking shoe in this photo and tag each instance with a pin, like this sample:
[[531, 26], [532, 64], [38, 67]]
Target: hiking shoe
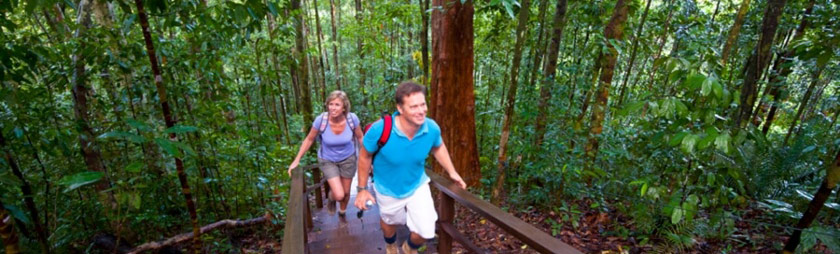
[[342, 213], [407, 249], [391, 249]]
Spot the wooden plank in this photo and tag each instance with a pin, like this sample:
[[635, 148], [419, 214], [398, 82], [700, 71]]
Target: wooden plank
[[294, 234], [446, 213], [458, 237], [534, 237]]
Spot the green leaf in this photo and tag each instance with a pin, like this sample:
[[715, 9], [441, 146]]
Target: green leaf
[[676, 215], [134, 167], [134, 138], [80, 179], [135, 200], [688, 143], [706, 141], [707, 88], [139, 125], [187, 149], [722, 142], [643, 190], [178, 129], [694, 81], [17, 213], [676, 139], [169, 147]]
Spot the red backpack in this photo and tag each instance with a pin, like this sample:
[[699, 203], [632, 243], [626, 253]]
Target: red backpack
[[386, 131]]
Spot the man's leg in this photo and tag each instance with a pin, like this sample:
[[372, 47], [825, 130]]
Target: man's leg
[[389, 233], [420, 218]]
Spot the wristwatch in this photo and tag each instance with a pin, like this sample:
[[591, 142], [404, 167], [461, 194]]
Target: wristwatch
[[361, 188]]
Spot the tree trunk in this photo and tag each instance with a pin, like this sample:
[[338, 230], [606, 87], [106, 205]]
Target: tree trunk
[[734, 31], [662, 39], [7, 231], [613, 31], [336, 67], [302, 68], [424, 40], [804, 103], [549, 70], [361, 49], [26, 189], [759, 59], [828, 184], [90, 152], [521, 34], [452, 96], [633, 51], [783, 69], [537, 49], [321, 54], [169, 120]]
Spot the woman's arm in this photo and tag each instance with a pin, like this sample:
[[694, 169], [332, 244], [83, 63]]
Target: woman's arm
[[307, 142]]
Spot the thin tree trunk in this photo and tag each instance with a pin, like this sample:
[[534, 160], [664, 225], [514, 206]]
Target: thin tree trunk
[[613, 31], [828, 184], [361, 49], [549, 70], [336, 68], [633, 52], [804, 103], [424, 40], [90, 152], [538, 48], [27, 195], [521, 34], [321, 54], [734, 31], [758, 60], [782, 69], [169, 120], [662, 39], [452, 95]]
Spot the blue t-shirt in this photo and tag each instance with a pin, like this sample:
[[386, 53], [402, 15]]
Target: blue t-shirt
[[336, 147], [399, 167]]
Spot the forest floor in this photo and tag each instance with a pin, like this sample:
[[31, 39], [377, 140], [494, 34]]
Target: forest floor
[[595, 234]]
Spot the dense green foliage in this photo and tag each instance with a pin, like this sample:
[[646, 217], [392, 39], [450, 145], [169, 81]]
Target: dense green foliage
[[672, 158]]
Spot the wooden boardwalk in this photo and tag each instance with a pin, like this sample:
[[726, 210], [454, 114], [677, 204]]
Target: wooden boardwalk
[[339, 235]]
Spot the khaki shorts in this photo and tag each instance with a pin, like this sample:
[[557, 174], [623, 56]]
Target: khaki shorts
[[345, 168]]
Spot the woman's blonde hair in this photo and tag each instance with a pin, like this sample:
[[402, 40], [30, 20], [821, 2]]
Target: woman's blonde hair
[[338, 94]]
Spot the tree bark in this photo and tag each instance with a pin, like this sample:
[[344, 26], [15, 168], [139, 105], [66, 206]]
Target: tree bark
[[336, 67], [151, 246], [169, 120], [633, 52], [424, 40], [537, 50], [734, 31], [521, 34], [804, 103], [759, 59], [360, 46], [549, 70], [302, 68], [452, 96], [26, 189], [7, 231], [783, 69], [321, 54], [828, 184], [89, 149], [613, 31]]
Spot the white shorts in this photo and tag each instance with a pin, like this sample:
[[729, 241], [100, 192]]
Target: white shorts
[[416, 211]]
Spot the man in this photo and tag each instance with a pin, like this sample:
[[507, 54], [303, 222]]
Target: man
[[400, 178]]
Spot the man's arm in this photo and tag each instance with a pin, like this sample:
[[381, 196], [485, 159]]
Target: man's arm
[[442, 156], [363, 196]]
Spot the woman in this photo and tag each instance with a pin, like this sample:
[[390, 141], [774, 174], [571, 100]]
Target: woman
[[335, 129]]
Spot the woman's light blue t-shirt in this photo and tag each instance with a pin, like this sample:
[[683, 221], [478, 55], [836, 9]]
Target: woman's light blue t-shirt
[[336, 147], [399, 166]]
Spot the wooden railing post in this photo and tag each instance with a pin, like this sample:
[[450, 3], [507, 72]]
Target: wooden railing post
[[446, 215], [316, 177]]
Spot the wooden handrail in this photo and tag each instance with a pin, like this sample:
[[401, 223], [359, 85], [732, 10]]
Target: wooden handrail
[[295, 232], [527, 233]]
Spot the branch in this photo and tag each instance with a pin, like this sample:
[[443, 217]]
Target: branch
[[207, 228]]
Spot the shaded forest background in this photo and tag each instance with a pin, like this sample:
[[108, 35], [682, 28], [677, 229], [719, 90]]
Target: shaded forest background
[[673, 125]]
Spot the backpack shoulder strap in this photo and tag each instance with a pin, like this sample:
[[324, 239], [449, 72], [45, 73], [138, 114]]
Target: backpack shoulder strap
[[351, 121], [387, 122], [324, 120]]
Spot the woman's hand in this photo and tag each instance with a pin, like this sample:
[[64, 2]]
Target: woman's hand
[[293, 166]]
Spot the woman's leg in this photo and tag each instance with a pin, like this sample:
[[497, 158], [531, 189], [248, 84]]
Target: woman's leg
[[345, 182], [336, 189]]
